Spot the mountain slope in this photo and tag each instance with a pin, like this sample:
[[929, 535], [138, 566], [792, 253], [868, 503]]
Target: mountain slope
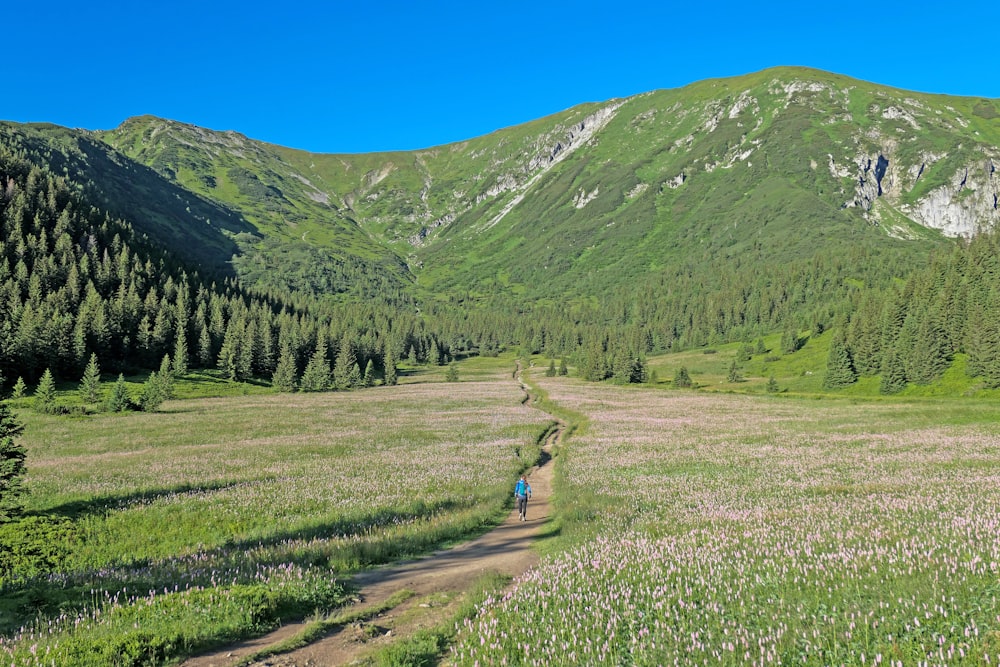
[[771, 168]]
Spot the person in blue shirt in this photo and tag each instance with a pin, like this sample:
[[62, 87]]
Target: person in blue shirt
[[522, 491]]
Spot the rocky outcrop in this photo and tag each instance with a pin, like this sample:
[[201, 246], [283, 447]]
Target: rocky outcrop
[[963, 206]]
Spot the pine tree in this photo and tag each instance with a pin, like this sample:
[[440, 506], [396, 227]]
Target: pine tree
[[90, 384], [551, 371], [893, 373], [12, 456], [119, 400], [347, 361], [45, 393], [682, 380], [840, 370], [451, 375], [317, 376], [19, 389], [180, 367], [563, 369], [772, 385], [154, 392], [284, 378], [368, 380], [390, 377]]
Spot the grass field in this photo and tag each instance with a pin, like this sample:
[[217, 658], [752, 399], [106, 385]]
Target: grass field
[[214, 518], [692, 527], [731, 529]]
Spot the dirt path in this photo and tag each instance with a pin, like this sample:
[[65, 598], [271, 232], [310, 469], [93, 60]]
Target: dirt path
[[438, 581]]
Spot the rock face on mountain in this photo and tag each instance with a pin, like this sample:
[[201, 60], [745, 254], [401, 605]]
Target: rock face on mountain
[[759, 163]]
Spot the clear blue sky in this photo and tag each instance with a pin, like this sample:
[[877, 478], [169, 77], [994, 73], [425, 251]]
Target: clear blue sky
[[364, 76]]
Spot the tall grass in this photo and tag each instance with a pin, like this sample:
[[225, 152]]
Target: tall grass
[[245, 510], [728, 529]]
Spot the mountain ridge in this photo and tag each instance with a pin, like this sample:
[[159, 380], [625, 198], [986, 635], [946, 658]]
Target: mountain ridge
[[704, 183]]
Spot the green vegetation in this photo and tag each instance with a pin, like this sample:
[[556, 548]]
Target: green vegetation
[[740, 529], [12, 455], [736, 236], [213, 519]]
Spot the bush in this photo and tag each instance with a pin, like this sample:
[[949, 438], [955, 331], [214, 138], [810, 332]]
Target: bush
[[35, 546]]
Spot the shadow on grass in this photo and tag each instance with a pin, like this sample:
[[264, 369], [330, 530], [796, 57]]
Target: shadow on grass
[[76, 509], [338, 545]]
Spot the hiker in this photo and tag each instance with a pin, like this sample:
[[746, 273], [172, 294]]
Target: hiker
[[522, 491]]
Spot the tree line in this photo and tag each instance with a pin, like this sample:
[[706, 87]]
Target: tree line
[[912, 332], [77, 283]]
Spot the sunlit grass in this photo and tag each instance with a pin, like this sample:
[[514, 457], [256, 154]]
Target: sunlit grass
[[726, 529], [220, 498]]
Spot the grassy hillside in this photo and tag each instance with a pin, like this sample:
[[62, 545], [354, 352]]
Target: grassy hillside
[[725, 209], [770, 169]]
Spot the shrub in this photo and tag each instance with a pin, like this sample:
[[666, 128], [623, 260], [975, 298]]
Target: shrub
[[35, 546]]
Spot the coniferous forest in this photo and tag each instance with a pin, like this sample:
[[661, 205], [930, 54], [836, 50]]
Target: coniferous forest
[[159, 247], [76, 281]]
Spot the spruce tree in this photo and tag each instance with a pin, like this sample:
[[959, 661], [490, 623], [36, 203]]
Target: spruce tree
[[119, 400], [790, 341], [354, 377], [154, 392], [284, 378], [865, 336], [19, 389], [90, 384], [12, 456], [982, 335], [451, 375], [346, 363], [733, 375], [930, 355], [205, 348], [166, 377], [840, 370], [760, 348], [551, 370], [893, 373], [180, 367], [390, 378], [317, 376], [682, 380], [563, 369], [772, 385], [45, 393], [368, 380]]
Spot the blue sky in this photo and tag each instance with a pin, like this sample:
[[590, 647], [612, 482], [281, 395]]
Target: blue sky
[[372, 76]]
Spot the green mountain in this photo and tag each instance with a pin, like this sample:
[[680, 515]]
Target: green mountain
[[774, 167], [710, 212]]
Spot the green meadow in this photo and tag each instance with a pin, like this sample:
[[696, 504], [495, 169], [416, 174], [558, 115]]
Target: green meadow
[[150, 536], [724, 523]]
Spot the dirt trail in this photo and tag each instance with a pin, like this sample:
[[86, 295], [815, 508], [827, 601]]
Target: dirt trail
[[438, 581]]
